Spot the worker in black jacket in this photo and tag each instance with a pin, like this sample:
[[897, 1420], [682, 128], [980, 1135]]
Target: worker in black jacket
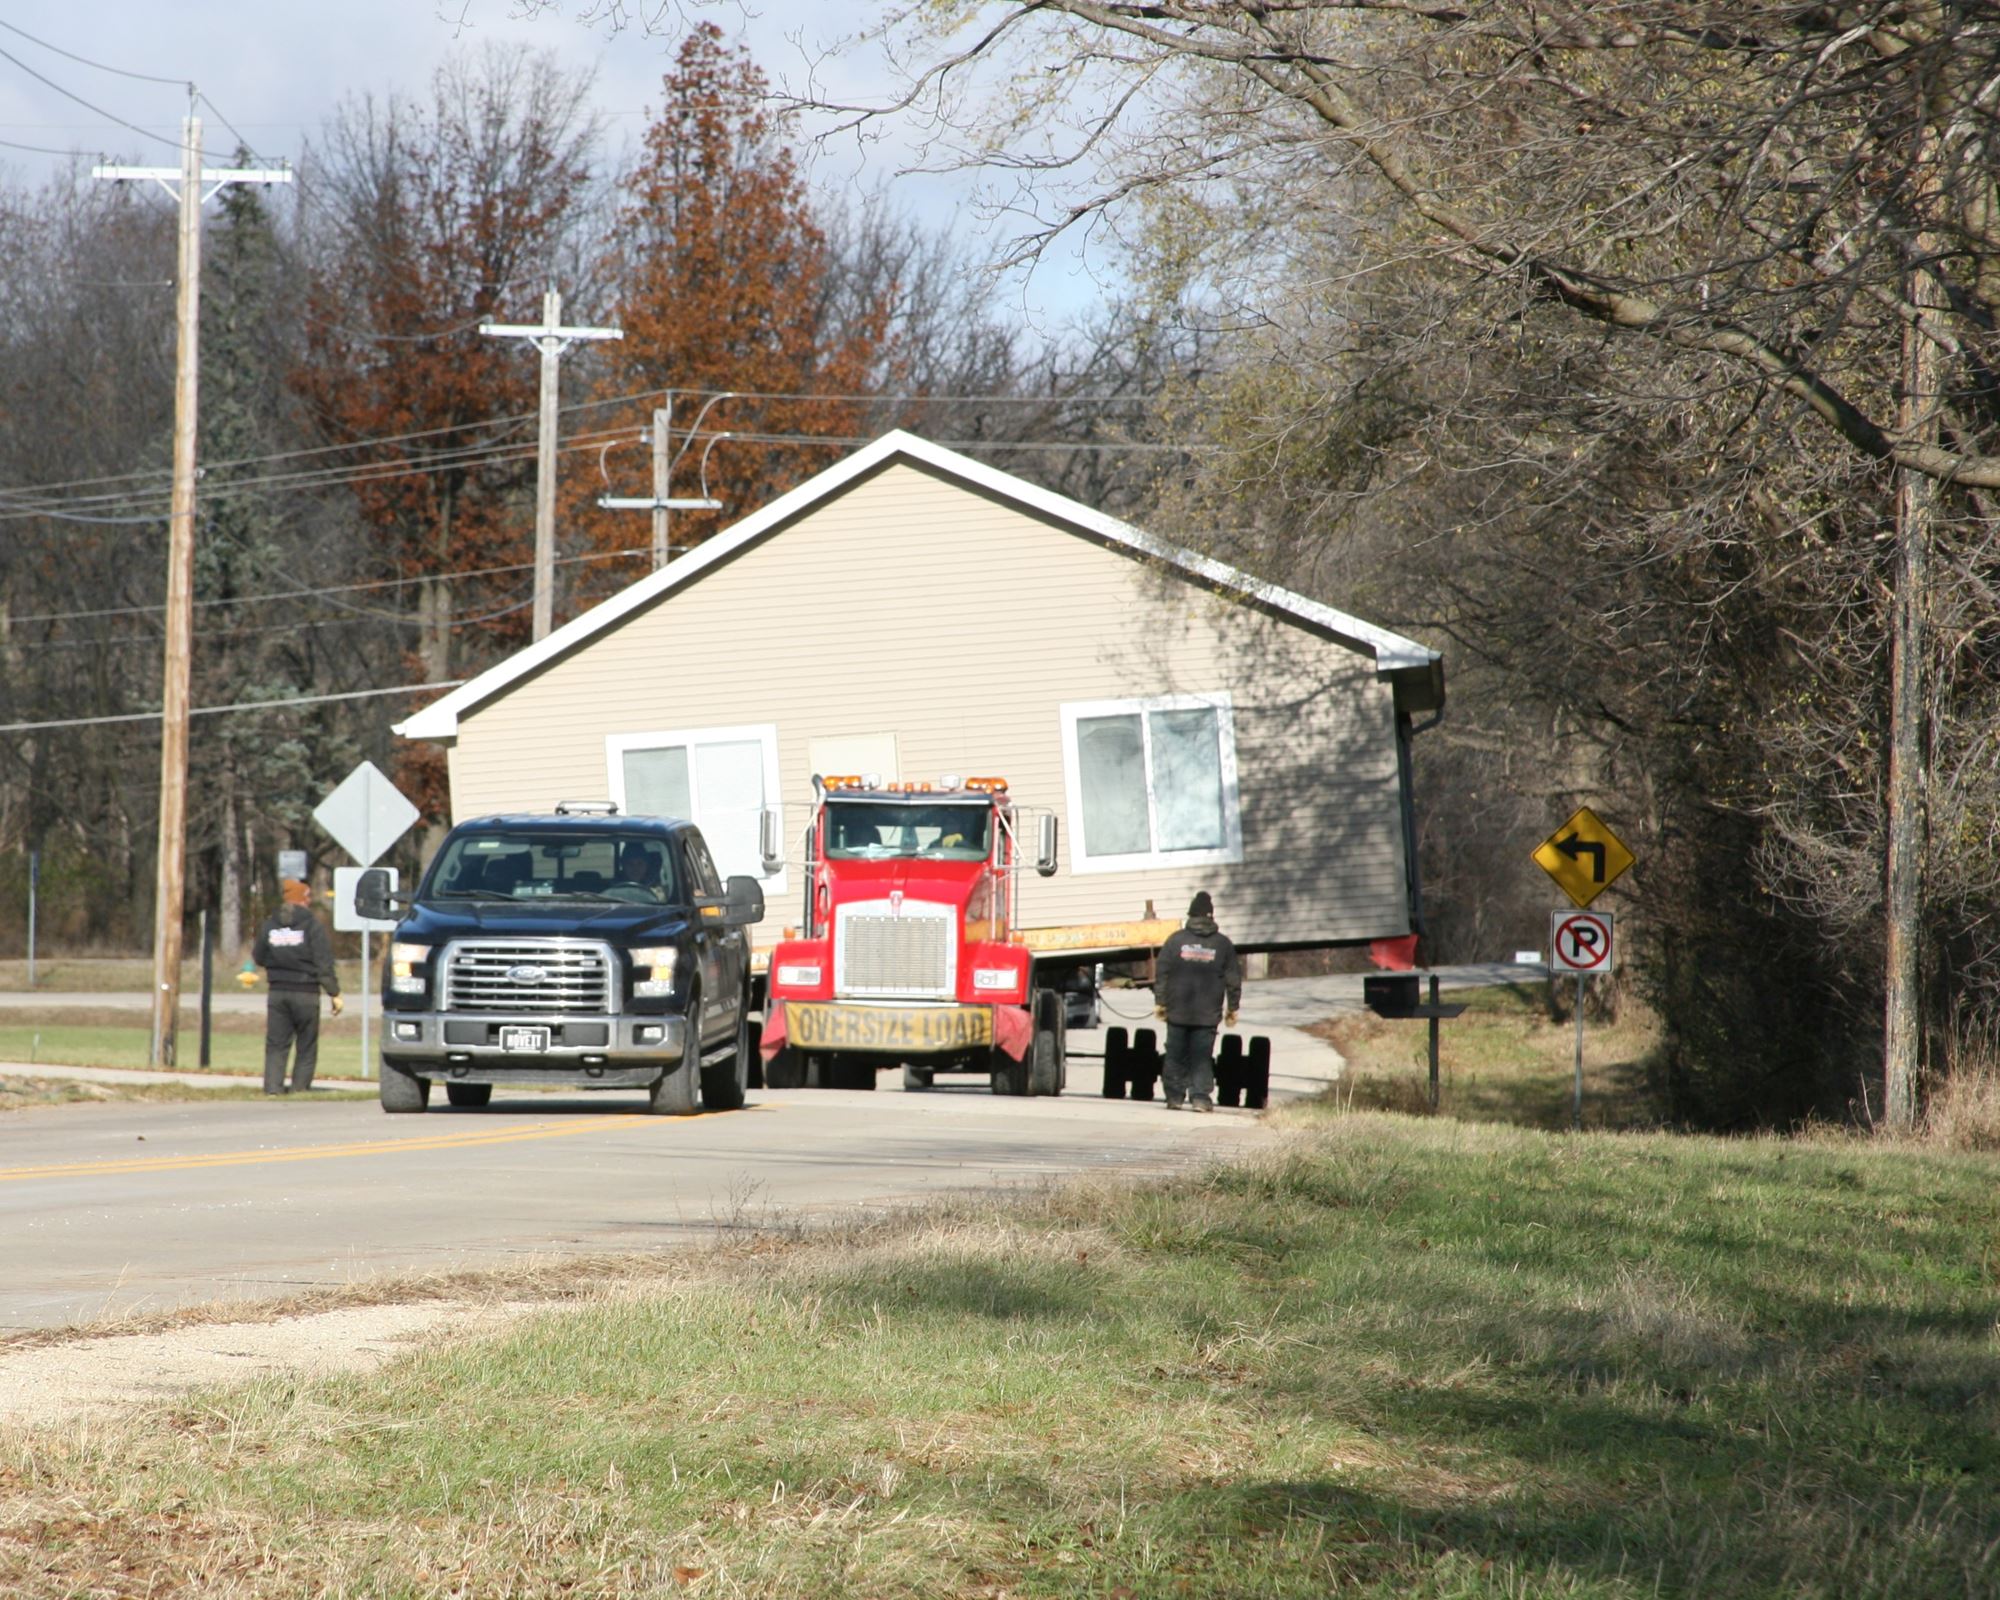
[[296, 953], [1197, 983]]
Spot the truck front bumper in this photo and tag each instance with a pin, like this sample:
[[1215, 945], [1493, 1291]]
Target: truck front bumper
[[606, 1052], [903, 1031]]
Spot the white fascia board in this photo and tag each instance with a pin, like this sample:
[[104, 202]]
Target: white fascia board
[[439, 720]]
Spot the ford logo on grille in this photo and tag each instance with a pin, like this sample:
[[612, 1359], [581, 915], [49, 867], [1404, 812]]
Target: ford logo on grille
[[526, 974]]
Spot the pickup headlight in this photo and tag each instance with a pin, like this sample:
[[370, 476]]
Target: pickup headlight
[[800, 974], [653, 971], [404, 959], [995, 978]]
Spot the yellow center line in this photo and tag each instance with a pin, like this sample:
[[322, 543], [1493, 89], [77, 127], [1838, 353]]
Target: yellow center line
[[472, 1139]]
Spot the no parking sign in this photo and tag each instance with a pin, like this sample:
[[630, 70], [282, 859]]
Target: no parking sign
[[1580, 941]]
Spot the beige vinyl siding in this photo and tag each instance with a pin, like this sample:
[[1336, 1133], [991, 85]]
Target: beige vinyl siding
[[912, 604]]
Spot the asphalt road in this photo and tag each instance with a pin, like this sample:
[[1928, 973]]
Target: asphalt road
[[123, 1207]]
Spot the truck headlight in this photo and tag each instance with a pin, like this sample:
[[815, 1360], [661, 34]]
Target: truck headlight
[[995, 978], [404, 959], [653, 971], [800, 974]]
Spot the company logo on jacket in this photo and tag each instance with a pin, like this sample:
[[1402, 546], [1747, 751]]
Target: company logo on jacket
[[1197, 952], [288, 936]]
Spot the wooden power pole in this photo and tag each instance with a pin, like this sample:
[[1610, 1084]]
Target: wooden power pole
[[552, 339], [185, 183], [660, 503]]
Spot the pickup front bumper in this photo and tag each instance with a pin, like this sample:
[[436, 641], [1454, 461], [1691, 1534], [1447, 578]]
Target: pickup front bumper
[[598, 1052]]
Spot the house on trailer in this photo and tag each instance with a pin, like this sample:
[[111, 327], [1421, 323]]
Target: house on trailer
[[911, 612]]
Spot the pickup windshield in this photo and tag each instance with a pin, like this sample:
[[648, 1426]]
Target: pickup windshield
[[860, 830], [636, 868]]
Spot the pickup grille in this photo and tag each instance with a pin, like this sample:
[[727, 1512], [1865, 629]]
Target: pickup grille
[[527, 975], [909, 953]]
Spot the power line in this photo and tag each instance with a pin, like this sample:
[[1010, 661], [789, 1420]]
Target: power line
[[144, 133], [143, 77], [239, 705]]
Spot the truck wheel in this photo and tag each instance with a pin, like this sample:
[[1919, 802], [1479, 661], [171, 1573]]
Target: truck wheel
[[1145, 1070], [674, 1094], [785, 1070], [1045, 1063], [1257, 1072], [1117, 1062], [754, 1078], [1229, 1071], [468, 1094], [918, 1078], [1010, 1076], [723, 1087], [403, 1091]]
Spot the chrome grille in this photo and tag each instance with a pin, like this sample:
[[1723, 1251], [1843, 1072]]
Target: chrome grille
[[898, 954], [496, 975]]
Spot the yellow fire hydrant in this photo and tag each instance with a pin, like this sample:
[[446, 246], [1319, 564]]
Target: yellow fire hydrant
[[248, 976]]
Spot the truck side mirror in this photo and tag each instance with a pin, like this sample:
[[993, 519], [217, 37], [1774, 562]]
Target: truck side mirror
[[1045, 847], [371, 895], [770, 847], [742, 901]]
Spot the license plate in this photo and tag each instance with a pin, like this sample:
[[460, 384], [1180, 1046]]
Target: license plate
[[525, 1041], [916, 1028]]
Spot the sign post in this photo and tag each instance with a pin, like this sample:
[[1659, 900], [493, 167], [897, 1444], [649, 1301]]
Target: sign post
[[365, 814], [1585, 858]]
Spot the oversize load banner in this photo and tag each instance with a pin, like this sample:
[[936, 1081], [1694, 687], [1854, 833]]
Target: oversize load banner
[[915, 1028]]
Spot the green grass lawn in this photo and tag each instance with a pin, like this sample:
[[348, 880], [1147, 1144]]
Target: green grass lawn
[[236, 1044], [1395, 1357]]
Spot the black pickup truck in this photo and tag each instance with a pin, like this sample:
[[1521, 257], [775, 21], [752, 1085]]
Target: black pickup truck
[[582, 950]]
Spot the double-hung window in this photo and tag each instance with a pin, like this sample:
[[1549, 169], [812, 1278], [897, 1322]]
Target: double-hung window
[[1152, 783], [720, 778]]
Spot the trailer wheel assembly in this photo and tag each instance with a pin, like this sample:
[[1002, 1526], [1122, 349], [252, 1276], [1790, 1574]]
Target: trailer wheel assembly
[[1145, 1070], [1117, 1062], [1229, 1071], [1257, 1072]]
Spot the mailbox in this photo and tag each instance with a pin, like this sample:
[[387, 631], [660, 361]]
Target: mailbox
[[1393, 996]]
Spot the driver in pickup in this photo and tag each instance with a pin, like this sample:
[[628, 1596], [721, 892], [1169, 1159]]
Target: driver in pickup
[[639, 869]]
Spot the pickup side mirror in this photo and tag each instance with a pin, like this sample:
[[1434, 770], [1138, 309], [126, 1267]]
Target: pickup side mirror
[[1045, 846], [371, 895], [770, 846], [742, 902]]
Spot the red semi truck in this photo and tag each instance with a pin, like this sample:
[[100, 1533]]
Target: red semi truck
[[911, 948]]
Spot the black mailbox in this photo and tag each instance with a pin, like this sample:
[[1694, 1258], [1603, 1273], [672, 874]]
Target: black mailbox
[[1392, 996]]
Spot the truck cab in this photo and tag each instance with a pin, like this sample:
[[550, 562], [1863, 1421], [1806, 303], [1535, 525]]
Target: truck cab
[[579, 950], [907, 949]]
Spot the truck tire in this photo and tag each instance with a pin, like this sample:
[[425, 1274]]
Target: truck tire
[[1045, 1051], [1011, 1076], [916, 1079], [1257, 1072], [1145, 1068], [723, 1087], [1229, 1071], [673, 1095], [754, 1078], [403, 1091], [468, 1095], [1117, 1062], [785, 1070]]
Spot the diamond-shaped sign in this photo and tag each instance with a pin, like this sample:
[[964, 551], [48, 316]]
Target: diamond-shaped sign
[[365, 814], [1584, 856]]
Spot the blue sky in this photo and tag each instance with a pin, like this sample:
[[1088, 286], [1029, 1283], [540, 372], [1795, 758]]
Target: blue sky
[[275, 69]]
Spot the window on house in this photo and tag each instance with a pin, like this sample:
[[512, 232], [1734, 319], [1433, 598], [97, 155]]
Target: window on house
[[719, 778], [1151, 782]]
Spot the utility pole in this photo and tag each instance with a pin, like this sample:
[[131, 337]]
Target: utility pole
[[660, 502], [185, 183], [552, 339]]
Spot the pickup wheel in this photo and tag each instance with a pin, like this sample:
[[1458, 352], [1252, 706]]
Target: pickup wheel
[[403, 1091], [674, 1094], [724, 1087], [468, 1094]]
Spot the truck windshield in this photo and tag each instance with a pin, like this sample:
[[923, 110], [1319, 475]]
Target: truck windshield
[[527, 865], [930, 831]]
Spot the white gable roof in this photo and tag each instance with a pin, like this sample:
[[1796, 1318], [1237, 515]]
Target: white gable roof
[[1392, 653]]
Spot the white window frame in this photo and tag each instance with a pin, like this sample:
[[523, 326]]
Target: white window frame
[[1231, 850], [616, 745]]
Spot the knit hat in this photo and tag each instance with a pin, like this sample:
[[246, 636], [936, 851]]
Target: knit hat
[[1201, 905], [295, 893]]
